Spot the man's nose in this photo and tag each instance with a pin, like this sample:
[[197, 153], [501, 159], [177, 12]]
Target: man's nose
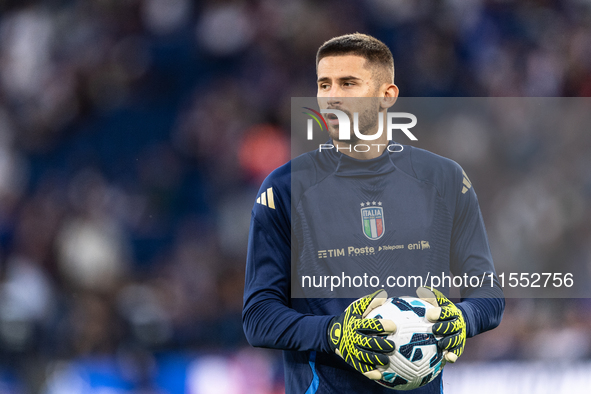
[[334, 101]]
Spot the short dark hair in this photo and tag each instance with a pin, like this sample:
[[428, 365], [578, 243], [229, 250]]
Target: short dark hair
[[375, 52]]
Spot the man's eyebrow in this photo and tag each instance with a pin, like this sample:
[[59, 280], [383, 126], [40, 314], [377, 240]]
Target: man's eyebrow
[[346, 78]]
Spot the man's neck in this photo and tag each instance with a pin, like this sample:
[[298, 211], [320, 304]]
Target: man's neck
[[364, 149]]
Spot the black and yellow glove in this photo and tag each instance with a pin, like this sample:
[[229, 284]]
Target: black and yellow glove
[[355, 339], [449, 322]]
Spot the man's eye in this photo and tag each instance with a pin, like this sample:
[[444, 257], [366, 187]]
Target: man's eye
[[348, 84], [324, 87]]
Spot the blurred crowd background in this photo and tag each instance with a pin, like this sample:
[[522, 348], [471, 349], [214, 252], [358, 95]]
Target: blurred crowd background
[[134, 135]]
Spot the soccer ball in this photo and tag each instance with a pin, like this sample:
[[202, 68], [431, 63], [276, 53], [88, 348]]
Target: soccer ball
[[417, 360]]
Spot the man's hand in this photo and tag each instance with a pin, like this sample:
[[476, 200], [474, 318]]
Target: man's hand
[[449, 322], [355, 339]]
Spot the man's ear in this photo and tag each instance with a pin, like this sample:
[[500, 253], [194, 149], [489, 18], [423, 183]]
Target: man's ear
[[389, 95]]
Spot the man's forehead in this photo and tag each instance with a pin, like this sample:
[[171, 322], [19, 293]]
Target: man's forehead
[[338, 66]]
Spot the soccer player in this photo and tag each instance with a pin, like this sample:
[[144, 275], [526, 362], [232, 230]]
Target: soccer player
[[312, 203]]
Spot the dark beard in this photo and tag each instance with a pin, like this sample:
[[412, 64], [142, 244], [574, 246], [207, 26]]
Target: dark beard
[[368, 120]]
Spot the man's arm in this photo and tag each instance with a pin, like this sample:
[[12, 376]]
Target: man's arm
[[267, 318], [469, 250], [482, 307]]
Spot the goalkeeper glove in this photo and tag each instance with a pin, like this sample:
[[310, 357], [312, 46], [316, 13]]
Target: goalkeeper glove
[[356, 339], [449, 322]]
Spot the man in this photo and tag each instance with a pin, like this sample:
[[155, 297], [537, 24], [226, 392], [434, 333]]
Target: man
[[328, 346]]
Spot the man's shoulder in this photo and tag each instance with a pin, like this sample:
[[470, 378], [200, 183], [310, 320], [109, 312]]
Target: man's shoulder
[[425, 161], [430, 167], [300, 167], [293, 178], [279, 177]]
